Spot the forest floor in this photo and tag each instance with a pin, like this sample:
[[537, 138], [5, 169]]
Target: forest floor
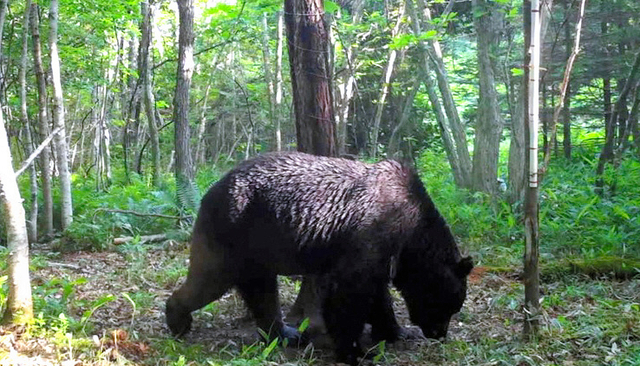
[[112, 304]]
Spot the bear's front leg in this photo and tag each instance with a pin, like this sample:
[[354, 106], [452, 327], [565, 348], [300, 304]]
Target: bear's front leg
[[260, 293], [384, 326]]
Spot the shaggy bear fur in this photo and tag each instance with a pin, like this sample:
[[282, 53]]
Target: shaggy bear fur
[[355, 226]]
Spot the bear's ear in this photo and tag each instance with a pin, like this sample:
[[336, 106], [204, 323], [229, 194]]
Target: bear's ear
[[464, 267]]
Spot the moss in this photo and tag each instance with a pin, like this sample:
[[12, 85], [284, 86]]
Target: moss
[[607, 266]]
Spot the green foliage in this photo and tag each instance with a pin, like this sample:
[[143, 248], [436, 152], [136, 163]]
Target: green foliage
[[574, 222]]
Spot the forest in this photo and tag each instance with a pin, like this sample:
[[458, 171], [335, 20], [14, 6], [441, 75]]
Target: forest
[[520, 116]]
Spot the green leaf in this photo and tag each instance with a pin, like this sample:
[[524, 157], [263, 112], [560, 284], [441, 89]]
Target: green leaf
[[304, 325], [330, 7], [267, 351], [517, 71]]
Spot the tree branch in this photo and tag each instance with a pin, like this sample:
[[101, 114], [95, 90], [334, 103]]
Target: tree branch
[[140, 214], [37, 151]]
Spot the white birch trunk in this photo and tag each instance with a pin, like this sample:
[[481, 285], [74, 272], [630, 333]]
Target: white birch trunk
[[43, 121], [386, 80], [278, 86], [531, 254], [32, 222], [19, 307], [60, 140]]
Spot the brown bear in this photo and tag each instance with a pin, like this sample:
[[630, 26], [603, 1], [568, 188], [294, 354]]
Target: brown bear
[[354, 226]]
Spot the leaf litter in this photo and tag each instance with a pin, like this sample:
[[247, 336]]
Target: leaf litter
[[118, 301]]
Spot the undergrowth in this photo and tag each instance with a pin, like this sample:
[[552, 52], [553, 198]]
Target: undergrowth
[[586, 320], [575, 222]]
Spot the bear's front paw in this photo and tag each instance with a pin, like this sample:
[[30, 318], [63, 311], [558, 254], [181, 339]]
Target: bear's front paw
[[178, 320], [292, 336]]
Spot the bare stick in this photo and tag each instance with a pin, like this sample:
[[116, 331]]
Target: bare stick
[[141, 214], [143, 239], [37, 151]]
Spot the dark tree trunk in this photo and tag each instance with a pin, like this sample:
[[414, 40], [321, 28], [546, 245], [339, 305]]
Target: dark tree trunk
[[308, 40], [309, 59]]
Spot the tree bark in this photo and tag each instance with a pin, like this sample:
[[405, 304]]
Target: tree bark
[[459, 176], [394, 140], [531, 276], [200, 142], [3, 71], [386, 80], [32, 222], [278, 85], [19, 306], [43, 122], [566, 112], [608, 149], [266, 60], [149, 100], [60, 140], [564, 88], [458, 130], [346, 87], [489, 122], [184, 167], [308, 40], [517, 161]]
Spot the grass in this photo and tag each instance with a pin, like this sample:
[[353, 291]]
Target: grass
[[105, 306]]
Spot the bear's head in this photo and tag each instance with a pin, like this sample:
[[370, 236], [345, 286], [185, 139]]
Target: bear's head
[[434, 292], [178, 317]]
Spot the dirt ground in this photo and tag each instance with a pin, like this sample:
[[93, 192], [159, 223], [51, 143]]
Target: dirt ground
[[130, 328]]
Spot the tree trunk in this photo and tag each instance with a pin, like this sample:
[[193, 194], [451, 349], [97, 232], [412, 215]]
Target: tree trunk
[[60, 140], [394, 140], [489, 122], [43, 122], [346, 87], [531, 276], [200, 142], [608, 149], [278, 86], [449, 145], [564, 87], [184, 167], [517, 161], [3, 71], [308, 40], [19, 306], [386, 81], [32, 222], [149, 100], [566, 112], [266, 60], [454, 122], [105, 136]]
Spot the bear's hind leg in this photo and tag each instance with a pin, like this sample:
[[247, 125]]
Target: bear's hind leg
[[345, 309], [260, 293]]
